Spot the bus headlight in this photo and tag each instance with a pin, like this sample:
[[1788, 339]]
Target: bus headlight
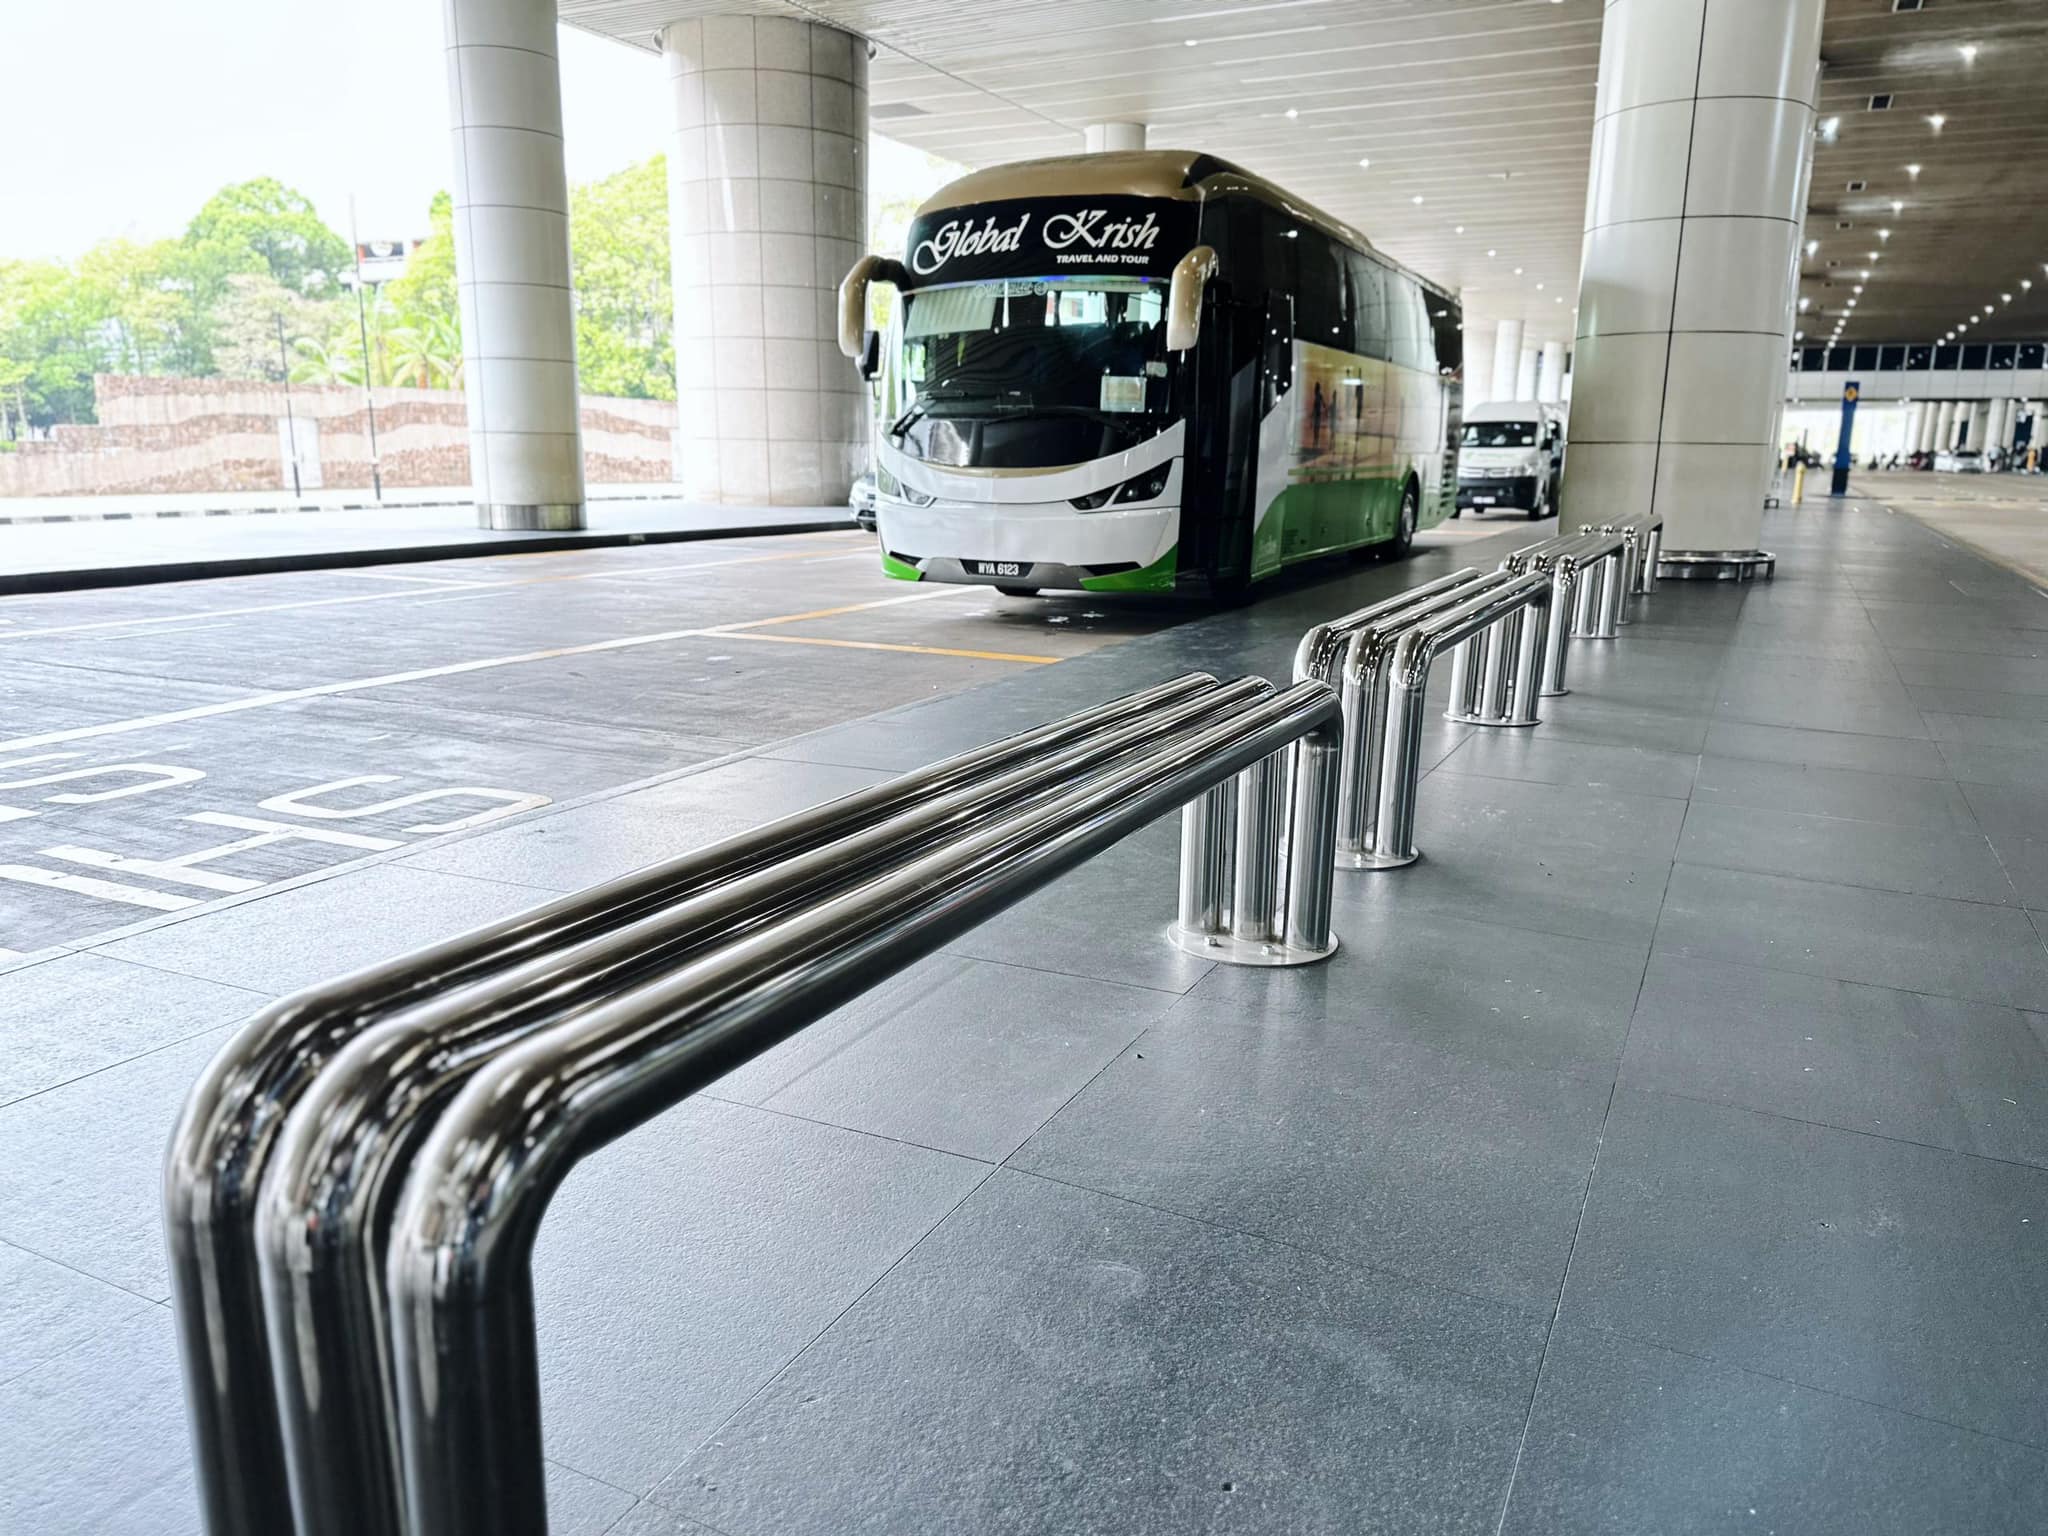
[[1149, 486], [888, 485]]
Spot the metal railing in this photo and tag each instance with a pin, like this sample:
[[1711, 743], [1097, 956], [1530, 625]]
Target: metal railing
[[353, 1190], [1509, 633]]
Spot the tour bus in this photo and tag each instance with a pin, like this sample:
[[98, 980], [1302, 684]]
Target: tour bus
[[1148, 372], [1511, 455]]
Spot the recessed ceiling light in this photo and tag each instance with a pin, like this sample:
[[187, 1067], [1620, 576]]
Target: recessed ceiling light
[[1969, 53], [1875, 255], [1539, 287], [2005, 298], [1799, 335], [1193, 42], [1989, 307], [1812, 246], [1864, 274], [1364, 164], [1851, 304], [1416, 199], [1804, 304], [1830, 127], [1558, 300], [1461, 229], [1884, 234], [1935, 120], [2026, 283], [1518, 271], [1294, 112], [1491, 254], [1859, 287], [1913, 171]]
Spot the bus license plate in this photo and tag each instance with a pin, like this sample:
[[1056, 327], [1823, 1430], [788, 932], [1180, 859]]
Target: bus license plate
[[1482, 501], [999, 568]]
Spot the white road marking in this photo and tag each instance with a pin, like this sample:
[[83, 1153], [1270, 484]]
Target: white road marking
[[157, 869], [414, 594], [453, 669], [105, 890]]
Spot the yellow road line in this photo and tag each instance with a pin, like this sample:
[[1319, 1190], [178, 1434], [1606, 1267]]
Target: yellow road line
[[915, 650]]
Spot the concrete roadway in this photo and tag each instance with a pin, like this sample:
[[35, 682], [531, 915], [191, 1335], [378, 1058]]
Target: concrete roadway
[[168, 745]]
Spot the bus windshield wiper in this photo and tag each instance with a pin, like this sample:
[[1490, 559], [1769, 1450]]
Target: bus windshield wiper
[[920, 408]]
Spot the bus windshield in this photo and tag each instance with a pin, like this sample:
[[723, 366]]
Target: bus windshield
[[1499, 434], [1030, 372]]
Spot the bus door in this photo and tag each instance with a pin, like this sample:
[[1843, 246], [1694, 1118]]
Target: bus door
[[1279, 440]]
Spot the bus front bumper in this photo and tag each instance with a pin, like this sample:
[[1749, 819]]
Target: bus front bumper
[[1033, 545]]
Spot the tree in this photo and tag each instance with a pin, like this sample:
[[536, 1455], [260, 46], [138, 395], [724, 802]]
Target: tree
[[264, 225], [625, 306], [244, 325]]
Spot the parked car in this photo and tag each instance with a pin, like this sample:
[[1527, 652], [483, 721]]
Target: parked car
[[862, 499], [1960, 461]]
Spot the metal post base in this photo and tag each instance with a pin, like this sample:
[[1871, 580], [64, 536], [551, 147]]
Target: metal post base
[[1718, 564], [1553, 693], [515, 517], [1486, 720], [1225, 949], [1348, 858]]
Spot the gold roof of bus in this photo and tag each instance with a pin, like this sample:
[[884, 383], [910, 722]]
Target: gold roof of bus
[[1132, 173]]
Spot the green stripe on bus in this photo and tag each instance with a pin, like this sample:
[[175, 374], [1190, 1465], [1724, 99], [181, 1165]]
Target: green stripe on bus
[[901, 570]]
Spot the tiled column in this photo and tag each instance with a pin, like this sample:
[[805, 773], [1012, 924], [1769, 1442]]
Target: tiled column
[[1945, 426], [1097, 138], [1703, 119], [1916, 425], [1525, 374], [1550, 373], [512, 263], [1507, 359], [767, 212]]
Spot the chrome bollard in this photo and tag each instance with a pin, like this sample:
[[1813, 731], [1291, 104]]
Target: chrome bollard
[[1255, 915], [1207, 826], [1564, 590]]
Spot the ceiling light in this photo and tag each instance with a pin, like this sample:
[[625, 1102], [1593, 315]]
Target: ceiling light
[[1897, 206], [1416, 199], [2005, 298], [1799, 335], [1804, 304], [2026, 283], [1539, 287], [1989, 307], [1558, 300], [1875, 255], [1935, 120], [1830, 127], [1969, 53], [1364, 164], [1518, 271], [1193, 42], [1851, 304], [1812, 246], [1884, 234], [1495, 253], [1864, 274], [1859, 287], [1913, 171], [1461, 229], [1294, 112]]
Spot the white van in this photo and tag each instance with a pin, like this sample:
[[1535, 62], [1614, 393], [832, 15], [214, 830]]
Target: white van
[[1510, 455]]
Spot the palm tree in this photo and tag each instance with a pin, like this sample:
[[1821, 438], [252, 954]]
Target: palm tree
[[320, 363], [427, 353]]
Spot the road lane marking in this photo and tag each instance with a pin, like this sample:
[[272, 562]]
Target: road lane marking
[[105, 890], [453, 669], [417, 595], [915, 650]]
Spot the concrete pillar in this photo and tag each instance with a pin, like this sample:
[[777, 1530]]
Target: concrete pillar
[[1100, 137], [1930, 426], [1916, 424], [511, 202], [1944, 427], [1525, 374], [767, 179], [1999, 434], [1550, 373], [1703, 120], [1507, 359]]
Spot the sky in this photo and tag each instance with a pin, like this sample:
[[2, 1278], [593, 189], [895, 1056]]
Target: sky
[[126, 115]]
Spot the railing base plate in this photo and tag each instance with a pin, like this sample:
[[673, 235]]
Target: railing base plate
[[1224, 949], [1487, 720], [1554, 693], [1348, 859]]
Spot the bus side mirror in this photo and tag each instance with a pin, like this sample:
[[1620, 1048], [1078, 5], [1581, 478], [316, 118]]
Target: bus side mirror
[[1191, 275], [871, 354], [853, 302]]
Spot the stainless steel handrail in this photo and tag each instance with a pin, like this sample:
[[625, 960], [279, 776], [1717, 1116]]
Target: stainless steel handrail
[[1405, 682], [222, 1146], [326, 1202], [459, 1274], [1561, 558], [1320, 656]]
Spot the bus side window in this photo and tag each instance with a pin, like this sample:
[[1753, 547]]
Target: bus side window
[[1368, 306]]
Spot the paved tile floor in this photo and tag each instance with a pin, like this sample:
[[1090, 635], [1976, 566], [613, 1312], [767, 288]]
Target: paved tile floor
[[1666, 1152]]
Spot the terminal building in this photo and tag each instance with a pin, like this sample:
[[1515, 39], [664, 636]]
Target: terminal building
[[1250, 960]]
